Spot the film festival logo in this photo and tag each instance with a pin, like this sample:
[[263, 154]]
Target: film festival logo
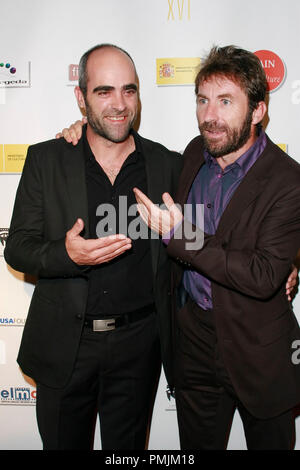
[[129, 223], [14, 74], [179, 9]]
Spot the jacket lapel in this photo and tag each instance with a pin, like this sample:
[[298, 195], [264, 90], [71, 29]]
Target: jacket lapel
[[191, 167], [154, 163], [250, 188], [74, 166], [193, 160]]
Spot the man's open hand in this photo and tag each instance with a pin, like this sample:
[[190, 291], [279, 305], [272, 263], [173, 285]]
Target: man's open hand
[[94, 251], [159, 220]]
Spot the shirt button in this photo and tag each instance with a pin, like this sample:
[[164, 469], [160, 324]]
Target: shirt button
[[209, 206], [105, 292]]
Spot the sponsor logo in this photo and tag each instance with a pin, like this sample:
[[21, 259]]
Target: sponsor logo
[[14, 75], [73, 72], [13, 157], [17, 396], [274, 68], [177, 70], [166, 71], [73, 75], [179, 9], [3, 238], [8, 68], [12, 321]]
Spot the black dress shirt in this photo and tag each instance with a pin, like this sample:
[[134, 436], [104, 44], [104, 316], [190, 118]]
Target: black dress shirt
[[125, 283]]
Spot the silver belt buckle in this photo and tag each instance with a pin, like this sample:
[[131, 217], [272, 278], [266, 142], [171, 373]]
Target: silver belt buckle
[[104, 325]]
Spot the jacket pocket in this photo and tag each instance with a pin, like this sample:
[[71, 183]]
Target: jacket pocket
[[277, 328]]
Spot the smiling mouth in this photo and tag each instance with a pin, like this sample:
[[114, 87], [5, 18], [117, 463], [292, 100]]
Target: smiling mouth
[[116, 118]]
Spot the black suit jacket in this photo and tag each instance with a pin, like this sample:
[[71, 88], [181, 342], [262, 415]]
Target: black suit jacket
[[51, 196], [248, 261]]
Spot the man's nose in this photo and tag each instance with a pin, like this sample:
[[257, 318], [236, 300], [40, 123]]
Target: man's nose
[[211, 113], [119, 102]]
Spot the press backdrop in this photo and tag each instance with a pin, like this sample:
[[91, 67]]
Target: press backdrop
[[41, 42]]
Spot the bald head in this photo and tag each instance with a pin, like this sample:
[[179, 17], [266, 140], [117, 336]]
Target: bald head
[[106, 51], [108, 92]]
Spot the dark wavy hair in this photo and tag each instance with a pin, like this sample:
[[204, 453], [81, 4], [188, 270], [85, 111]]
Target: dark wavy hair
[[238, 65]]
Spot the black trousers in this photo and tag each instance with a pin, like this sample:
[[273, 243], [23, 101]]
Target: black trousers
[[205, 397], [115, 375]]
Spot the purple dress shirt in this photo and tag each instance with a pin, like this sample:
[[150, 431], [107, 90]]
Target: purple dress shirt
[[214, 188]]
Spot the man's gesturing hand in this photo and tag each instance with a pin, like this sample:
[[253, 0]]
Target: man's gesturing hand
[[161, 221], [94, 251]]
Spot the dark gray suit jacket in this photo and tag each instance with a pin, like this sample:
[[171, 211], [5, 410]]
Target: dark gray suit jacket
[[51, 196]]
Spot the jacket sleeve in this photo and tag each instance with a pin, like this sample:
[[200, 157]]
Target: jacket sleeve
[[27, 250], [257, 271]]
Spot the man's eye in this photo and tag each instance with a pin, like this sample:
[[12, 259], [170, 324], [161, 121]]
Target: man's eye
[[130, 91], [226, 102]]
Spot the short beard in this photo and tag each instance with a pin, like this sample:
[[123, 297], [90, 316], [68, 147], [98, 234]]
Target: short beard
[[236, 137]]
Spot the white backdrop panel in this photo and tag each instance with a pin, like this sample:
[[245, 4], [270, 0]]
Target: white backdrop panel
[[53, 34]]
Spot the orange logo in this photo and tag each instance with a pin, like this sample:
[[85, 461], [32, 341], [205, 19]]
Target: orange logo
[[274, 68]]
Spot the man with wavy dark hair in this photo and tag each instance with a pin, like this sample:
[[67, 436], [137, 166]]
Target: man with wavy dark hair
[[239, 66], [235, 328]]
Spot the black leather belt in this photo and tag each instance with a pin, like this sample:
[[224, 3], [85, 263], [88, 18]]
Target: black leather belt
[[106, 324]]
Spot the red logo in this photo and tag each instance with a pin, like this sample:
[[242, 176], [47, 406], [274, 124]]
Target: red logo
[[274, 68]]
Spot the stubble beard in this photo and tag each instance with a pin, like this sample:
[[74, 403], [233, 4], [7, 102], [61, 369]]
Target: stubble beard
[[104, 131]]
